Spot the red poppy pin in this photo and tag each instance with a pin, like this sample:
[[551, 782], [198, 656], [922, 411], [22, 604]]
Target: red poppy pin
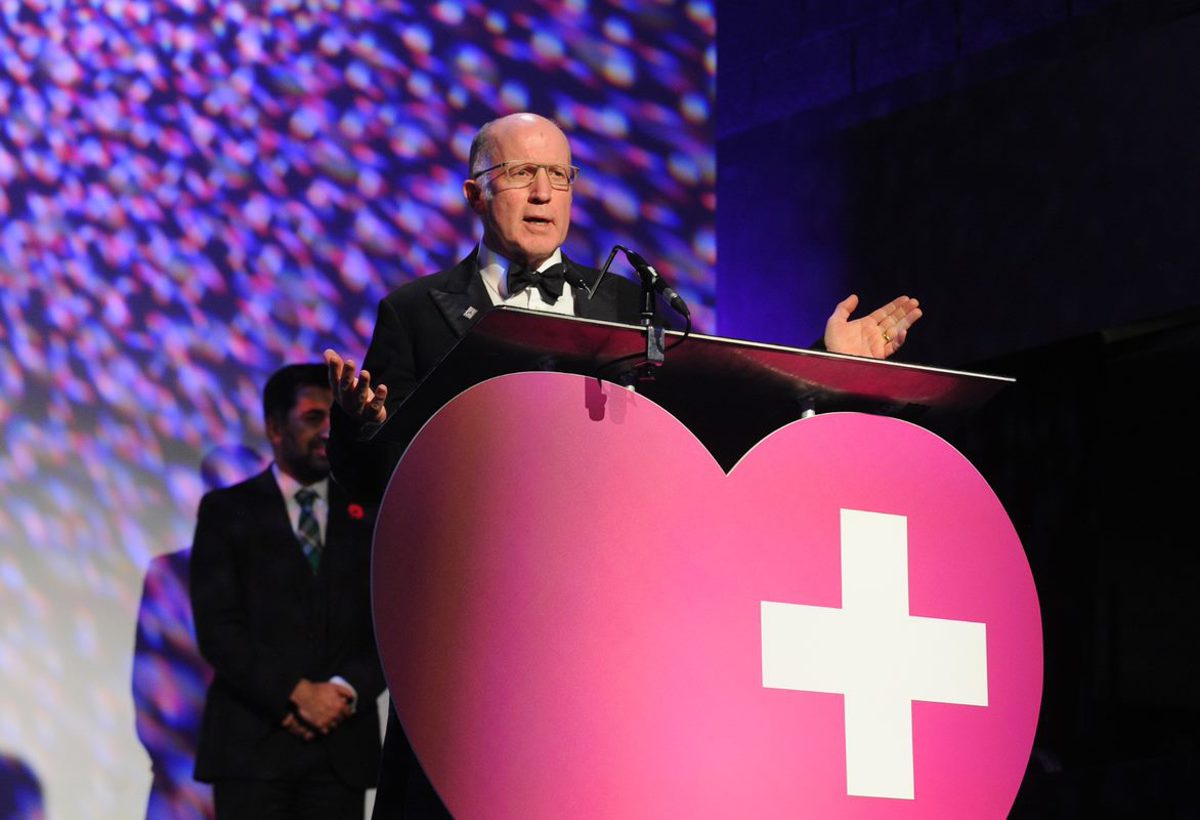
[[355, 511]]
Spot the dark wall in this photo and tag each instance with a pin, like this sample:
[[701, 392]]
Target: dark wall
[[1033, 191], [1085, 452], [1030, 170]]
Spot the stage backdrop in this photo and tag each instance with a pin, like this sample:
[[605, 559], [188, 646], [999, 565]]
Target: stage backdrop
[[193, 193]]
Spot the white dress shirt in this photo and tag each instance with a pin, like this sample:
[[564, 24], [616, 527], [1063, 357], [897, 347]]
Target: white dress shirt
[[493, 267]]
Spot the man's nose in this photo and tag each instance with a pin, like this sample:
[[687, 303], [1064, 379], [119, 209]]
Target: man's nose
[[541, 189]]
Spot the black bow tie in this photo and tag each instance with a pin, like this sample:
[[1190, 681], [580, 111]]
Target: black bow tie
[[549, 282]]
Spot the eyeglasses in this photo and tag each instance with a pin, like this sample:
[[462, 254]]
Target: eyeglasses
[[522, 174]]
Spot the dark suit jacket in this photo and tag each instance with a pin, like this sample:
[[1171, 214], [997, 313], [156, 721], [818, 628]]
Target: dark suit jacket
[[417, 325], [264, 621]]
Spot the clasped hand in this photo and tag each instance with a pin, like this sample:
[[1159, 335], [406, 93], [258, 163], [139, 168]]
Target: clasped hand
[[320, 708]]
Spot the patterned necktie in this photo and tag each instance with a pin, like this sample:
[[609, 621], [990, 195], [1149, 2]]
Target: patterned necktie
[[549, 282], [310, 530]]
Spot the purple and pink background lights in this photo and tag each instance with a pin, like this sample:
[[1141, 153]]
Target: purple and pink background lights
[[194, 193]]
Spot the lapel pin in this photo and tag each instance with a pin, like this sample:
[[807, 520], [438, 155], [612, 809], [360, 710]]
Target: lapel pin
[[470, 312]]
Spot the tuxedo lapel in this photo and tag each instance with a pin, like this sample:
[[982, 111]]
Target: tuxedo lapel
[[464, 298], [603, 304]]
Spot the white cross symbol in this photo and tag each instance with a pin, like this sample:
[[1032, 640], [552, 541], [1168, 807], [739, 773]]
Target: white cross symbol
[[875, 654]]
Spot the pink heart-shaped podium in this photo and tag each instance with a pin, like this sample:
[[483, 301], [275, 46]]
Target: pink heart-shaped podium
[[581, 615]]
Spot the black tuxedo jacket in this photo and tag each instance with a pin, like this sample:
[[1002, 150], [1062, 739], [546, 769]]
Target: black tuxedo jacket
[[264, 621], [416, 326]]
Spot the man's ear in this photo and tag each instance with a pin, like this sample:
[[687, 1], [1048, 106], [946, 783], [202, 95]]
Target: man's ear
[[473, 192]]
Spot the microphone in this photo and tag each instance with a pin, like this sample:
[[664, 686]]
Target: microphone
[[653, 279]]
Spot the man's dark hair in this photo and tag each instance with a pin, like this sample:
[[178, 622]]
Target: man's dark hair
[[279, 394]]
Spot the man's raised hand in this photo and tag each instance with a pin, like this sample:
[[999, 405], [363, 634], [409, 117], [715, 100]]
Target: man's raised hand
[[878, 335], [353, 391]]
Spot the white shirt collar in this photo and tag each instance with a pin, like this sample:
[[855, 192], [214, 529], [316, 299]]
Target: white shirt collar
[[493, 267], [288, 485]]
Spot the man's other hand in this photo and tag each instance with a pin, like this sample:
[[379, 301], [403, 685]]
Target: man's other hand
[[354, 393]]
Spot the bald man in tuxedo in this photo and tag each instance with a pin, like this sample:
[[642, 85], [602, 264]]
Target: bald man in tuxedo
[[520, 184]]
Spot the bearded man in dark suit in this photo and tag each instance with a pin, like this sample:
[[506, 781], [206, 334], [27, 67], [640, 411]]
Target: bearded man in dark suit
[[520, 186], [280, 578]]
